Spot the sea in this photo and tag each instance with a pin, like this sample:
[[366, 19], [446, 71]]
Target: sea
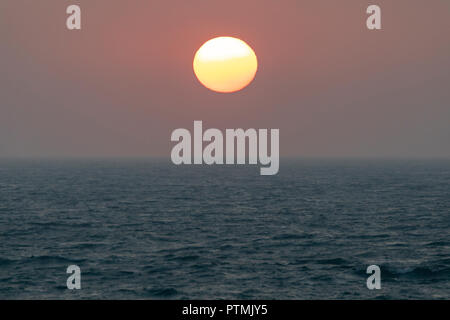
[[148, 229]]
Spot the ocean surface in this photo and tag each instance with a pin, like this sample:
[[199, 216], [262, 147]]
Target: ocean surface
[[147, 229]]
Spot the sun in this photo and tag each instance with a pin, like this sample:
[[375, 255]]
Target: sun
[[225, 64]]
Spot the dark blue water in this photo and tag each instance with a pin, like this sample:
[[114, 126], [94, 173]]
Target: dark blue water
[[152, 230]]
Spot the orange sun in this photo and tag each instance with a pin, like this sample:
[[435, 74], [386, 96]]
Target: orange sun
[[225, 64]]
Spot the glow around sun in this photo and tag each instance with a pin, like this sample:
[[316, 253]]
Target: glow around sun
[[225, 64]]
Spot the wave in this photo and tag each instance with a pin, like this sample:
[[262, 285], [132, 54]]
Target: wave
[[292, 236], [335, 261], [185, 258], [44, 259], [162, 292], [420, 272], [5, 261], [61, 224]]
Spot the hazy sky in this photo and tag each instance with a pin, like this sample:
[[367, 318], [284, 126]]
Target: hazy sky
[[122, 84]]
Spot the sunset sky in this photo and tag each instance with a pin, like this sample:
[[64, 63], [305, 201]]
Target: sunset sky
[[123, 83]]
